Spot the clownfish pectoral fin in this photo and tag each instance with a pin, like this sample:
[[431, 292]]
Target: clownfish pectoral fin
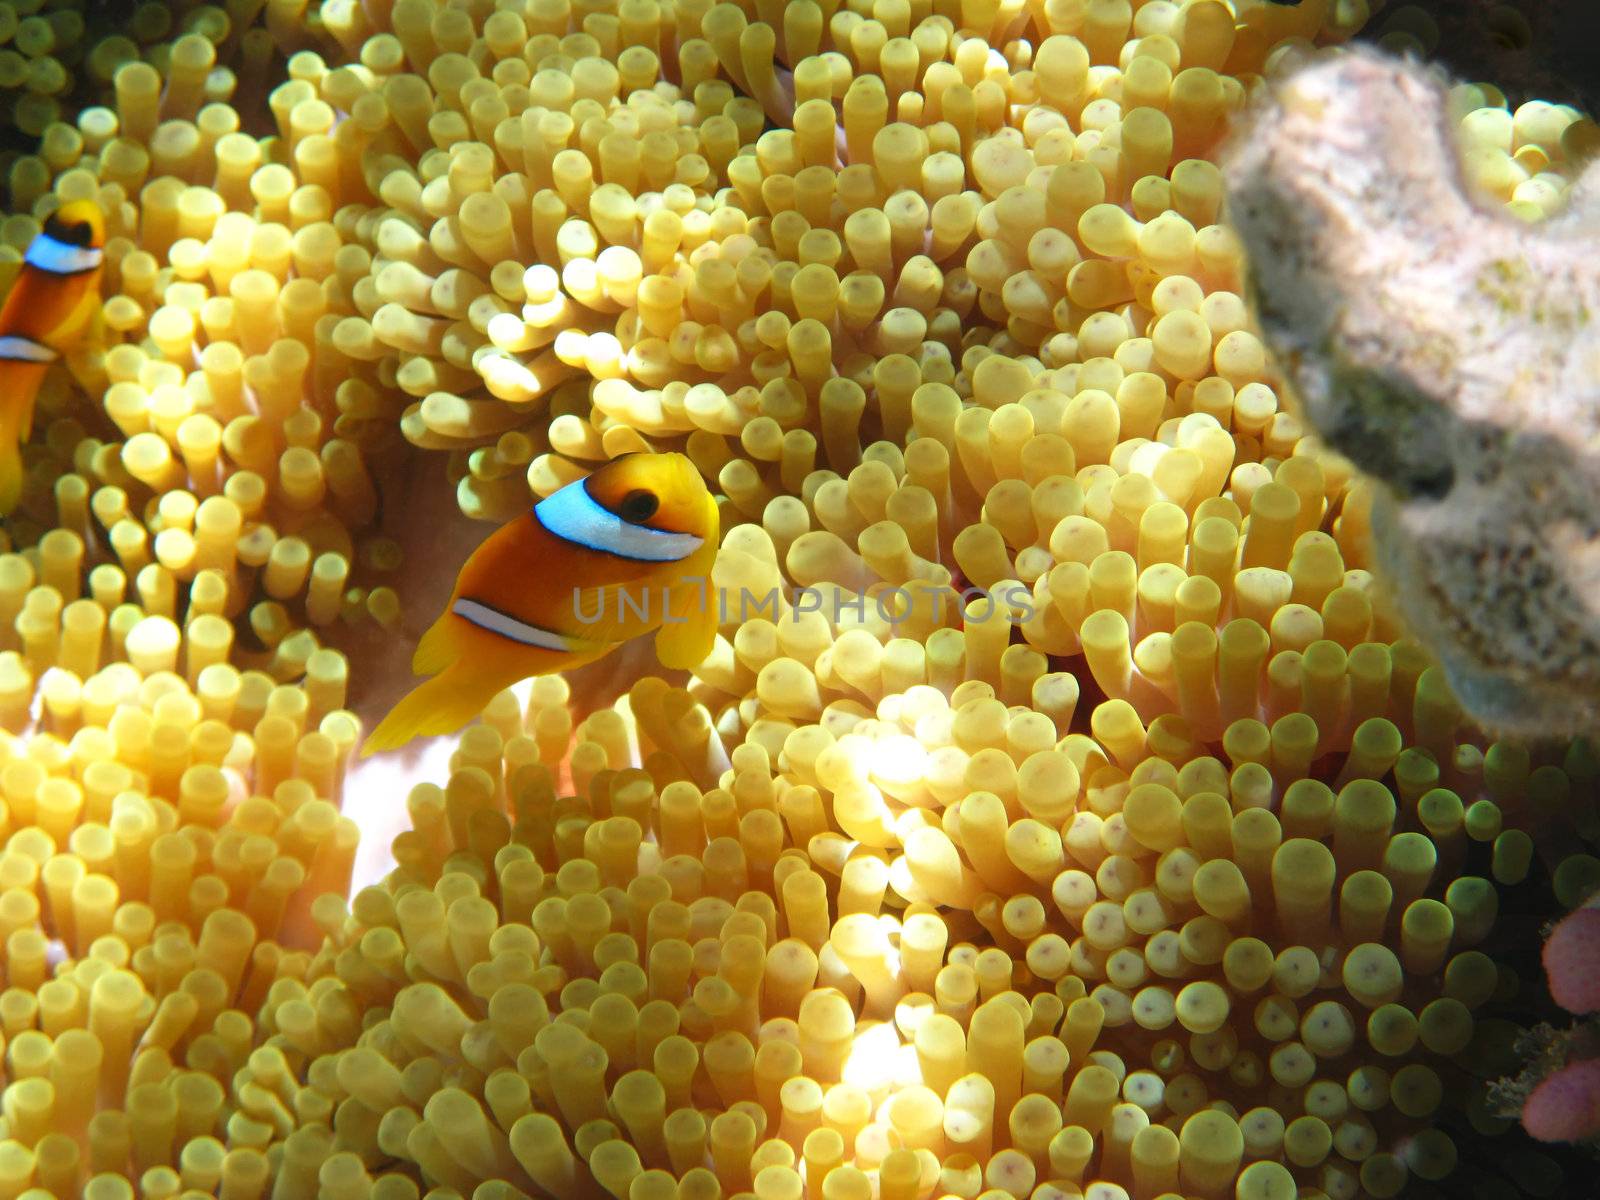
[[25, 413], [615, 613], [94, 325], [685, 640], [10, 473], [84, 326], [15, 417]]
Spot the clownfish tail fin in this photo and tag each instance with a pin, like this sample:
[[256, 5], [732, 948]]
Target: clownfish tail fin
[[441, 705]]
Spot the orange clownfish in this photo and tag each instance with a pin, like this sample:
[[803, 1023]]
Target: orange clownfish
[[613, 556], [47, 309]]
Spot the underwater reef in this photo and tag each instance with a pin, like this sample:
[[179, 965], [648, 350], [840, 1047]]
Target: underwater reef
[[1448, 349], [1083, 796]]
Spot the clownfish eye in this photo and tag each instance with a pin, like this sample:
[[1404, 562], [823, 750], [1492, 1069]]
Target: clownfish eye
[[76, 234], [638, 505]]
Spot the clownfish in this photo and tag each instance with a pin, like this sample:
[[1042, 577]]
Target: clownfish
[[50, 304], [624, 551]]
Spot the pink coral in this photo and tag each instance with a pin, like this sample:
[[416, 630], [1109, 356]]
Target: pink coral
[[1566, 1106], [1572, 961]]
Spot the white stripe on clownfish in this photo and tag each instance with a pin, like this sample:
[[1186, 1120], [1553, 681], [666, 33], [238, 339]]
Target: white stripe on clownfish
[[575, 516], [15, 348], [495, 621], [58, 258]]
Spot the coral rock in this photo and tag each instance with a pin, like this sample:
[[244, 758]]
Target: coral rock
[[1450, 351]]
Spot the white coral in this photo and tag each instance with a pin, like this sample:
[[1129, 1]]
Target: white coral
[[1450, 350]]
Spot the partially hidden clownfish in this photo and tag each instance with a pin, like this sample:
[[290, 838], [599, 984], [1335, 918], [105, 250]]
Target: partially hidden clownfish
[[613, 556], [48, 308]]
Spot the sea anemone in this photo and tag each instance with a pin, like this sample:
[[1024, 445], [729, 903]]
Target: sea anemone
[[1065, 809]]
